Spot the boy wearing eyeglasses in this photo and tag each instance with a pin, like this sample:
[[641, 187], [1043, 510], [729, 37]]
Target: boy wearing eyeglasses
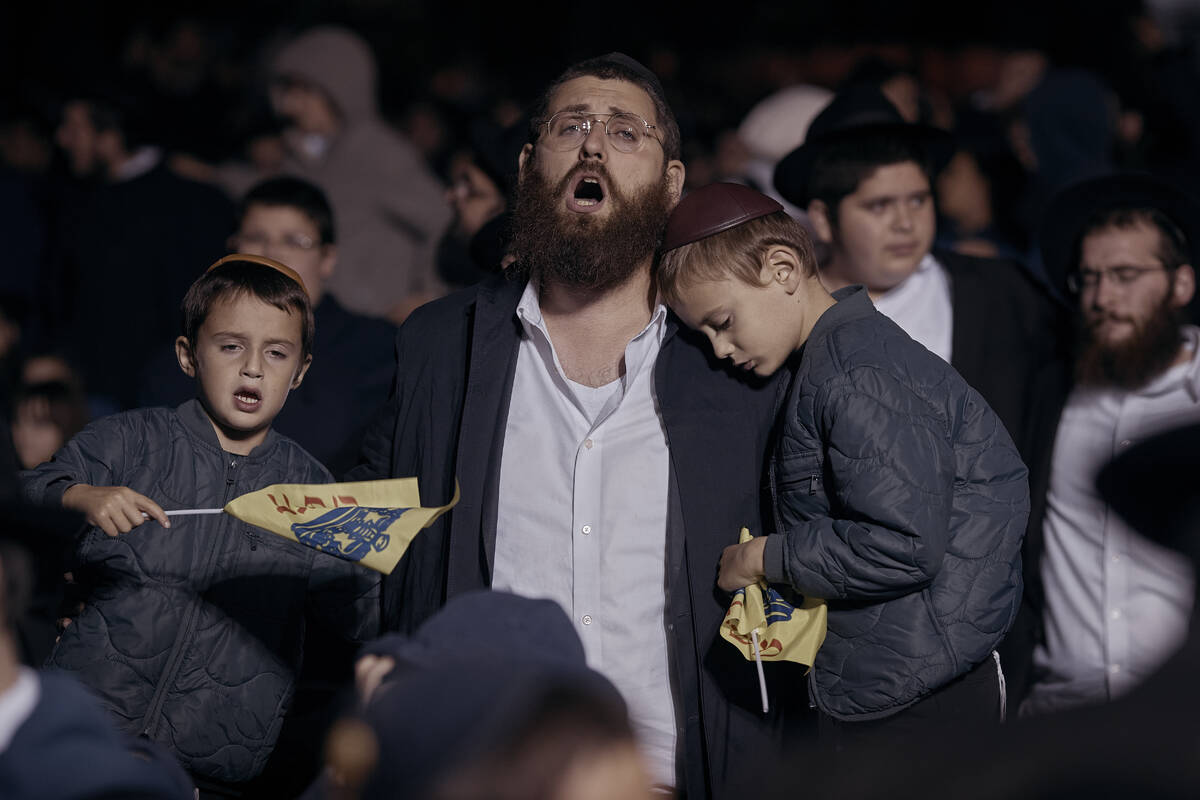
[[290, 220], [899, 497]]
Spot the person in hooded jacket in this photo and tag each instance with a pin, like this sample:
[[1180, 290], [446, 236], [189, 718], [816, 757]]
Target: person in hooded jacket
[[387, 202]]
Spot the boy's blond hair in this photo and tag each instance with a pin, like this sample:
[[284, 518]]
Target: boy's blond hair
[[738, 252]]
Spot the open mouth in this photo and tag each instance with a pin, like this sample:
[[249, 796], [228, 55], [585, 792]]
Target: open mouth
[[589, 193], [247, 399]]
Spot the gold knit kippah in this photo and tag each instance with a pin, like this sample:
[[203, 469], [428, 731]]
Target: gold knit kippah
[[266, 262]]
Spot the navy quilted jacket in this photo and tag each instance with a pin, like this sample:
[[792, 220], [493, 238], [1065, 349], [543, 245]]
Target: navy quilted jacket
[[193, 636], [901, 500]]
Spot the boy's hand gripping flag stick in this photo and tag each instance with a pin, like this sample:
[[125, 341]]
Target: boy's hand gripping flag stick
[[764, 626]]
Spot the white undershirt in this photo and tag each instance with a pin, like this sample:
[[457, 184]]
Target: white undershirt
[[921, 306], [582, 517]]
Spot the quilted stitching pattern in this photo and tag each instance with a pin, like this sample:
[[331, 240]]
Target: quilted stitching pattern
[[223, 704], [907, 514]]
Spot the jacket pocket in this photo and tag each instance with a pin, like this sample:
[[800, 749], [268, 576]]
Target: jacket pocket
[[799, 485]]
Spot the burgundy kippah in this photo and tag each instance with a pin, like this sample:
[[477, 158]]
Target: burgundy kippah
[[712, 209]]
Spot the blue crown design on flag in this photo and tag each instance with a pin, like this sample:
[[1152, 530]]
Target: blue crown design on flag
[[776, 608], [349, 533]]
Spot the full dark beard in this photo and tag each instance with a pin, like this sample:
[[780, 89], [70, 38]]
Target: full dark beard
[[583, 251], [1131, 364]]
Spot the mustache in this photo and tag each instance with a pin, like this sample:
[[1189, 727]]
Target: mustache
[[597, 169], [1098, 319]]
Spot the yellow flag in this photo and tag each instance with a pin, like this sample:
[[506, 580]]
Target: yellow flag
[[785, 632], [371, 522]]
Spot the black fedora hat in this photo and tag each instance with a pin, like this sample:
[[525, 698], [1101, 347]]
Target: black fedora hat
[[1071, 209], [858, 112]]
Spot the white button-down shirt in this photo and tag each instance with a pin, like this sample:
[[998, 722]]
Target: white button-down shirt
[[1117, 604], [582, 516], [921, 306]]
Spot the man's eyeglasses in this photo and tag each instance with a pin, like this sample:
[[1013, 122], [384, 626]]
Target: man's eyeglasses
[[257, 243], [626, 132], [1120, 276]]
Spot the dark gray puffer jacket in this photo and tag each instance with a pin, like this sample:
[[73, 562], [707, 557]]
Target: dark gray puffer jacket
[[193, 635], [901, 500]]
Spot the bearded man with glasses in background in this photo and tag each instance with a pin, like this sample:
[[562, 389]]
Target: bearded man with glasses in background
[[605, 459], [1107, 606]]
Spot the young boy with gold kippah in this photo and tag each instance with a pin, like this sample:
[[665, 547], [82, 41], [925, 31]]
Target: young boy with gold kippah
[[193, 627]]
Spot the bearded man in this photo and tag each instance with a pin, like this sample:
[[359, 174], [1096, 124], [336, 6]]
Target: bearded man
[[604, 458], [1108, 605]]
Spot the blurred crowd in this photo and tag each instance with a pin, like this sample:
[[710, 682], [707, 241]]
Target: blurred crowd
[[120, 182]]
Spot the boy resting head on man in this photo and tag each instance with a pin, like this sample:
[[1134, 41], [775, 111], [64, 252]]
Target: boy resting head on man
[[899, 496]]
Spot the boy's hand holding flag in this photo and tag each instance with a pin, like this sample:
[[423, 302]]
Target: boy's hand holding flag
[[764, 626]]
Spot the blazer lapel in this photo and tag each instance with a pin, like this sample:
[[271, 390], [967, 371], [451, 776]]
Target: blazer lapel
[[495, 336]]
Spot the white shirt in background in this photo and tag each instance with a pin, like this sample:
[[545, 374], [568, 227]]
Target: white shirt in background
[[1117, 604]]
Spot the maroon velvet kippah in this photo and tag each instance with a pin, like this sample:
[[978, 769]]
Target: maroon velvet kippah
[[712, 209]]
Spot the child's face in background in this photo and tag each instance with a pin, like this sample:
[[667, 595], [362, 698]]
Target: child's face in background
[[756, 327], [288, 235], [246, 358], [36, 436], [884, 229]]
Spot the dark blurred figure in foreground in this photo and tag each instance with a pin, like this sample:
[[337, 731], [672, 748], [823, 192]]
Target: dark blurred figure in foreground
[[289, 220], [1104, 606], [508, 710], [55, 740]]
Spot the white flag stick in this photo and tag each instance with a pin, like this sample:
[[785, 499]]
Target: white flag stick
[[762, 679], [183, 512]]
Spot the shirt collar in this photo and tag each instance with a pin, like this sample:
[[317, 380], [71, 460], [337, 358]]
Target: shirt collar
[[1184, 376], [529, 312]]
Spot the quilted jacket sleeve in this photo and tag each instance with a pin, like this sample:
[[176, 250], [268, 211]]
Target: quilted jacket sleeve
[[96, 456], [889, 469]]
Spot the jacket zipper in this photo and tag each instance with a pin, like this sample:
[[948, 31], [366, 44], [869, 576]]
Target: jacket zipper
[[151, 720]]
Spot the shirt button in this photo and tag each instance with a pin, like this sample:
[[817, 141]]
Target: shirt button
[[1113, 669], [1116, 559], [1116, 613], [587, 619], [1125, 443], [587, 443], [586, 529]]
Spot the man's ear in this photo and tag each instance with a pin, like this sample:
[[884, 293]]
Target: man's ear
[[1183, 286], [526, 154], [676, 173], [818, 216], [185, 356], [300, 373], [781, 266]]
